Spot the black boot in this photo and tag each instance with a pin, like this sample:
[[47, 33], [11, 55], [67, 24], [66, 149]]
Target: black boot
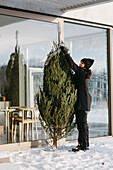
[[78, 148]]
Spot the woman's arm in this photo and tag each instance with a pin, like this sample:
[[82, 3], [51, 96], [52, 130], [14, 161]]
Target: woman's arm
[[72, 64]]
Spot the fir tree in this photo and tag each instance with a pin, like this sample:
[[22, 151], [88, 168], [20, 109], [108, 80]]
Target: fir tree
[[12, 74], [56, 101]]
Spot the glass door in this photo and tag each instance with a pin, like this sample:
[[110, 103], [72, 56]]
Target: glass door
[[24, 46], [90, 42]]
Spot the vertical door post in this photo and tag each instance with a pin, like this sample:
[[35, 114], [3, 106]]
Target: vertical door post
[[110, 80], [60, 31]]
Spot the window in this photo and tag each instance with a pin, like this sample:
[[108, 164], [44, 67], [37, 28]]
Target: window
[[24, 46], [90, 42]]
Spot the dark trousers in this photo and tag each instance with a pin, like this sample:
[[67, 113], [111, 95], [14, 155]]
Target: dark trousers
[[82, 126]]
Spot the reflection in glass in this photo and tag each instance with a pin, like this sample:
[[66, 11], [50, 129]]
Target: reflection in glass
[[24, 45], [90, 42]]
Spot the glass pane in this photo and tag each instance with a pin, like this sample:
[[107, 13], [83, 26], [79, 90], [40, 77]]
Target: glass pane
[[24, 45], [90, 42]]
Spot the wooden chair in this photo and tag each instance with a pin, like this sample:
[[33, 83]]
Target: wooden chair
[[24, 119]]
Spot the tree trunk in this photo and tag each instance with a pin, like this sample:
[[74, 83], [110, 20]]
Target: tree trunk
[[55, 141]]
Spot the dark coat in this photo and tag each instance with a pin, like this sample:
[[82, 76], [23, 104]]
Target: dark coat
[[81, 83]]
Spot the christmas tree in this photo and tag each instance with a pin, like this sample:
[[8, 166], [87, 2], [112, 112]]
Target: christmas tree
[[57, 99], [15, 78], [12, 74]]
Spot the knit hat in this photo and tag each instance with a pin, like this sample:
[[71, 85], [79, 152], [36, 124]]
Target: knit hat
[[88, 62]]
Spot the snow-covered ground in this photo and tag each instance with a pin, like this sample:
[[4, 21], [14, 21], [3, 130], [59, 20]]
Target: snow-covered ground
[[100, 156]]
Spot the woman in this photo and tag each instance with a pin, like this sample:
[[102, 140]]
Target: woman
[[83, 104]]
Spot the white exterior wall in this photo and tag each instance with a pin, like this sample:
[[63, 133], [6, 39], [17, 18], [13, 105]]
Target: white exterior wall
[[99, 13]]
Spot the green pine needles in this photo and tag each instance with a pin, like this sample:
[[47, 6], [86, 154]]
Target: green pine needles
[[56, 101]]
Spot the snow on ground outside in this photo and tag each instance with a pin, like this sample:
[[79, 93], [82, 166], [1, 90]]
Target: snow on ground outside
[[100, 156]]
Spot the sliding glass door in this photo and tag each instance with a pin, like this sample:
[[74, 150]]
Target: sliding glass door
[[24, 46], [90, 42]]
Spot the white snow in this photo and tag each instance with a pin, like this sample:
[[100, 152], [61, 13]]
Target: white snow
[[3, 155], [100, 156]]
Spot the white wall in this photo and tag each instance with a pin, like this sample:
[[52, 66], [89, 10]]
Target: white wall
[[99, 13]]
